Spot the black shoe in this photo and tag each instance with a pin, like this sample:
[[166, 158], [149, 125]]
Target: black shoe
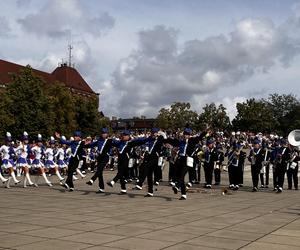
[[110, 184], [182, 198], [71, 189], [65, 185], [279, 190], [100, 191], [255, 189], [175, 189], [148, 195], [217, 184], [90, 182]]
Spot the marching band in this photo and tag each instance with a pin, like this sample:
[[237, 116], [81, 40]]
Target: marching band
[[144, 155]]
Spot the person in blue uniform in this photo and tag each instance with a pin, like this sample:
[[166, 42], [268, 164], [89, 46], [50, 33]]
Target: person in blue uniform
[[151, 157], [283, 156], [256, 158], [184, 161], [292, 172], [103, 145], [210, 160], [77, 146]]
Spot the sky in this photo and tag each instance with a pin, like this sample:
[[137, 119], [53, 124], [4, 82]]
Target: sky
[[143, 55]]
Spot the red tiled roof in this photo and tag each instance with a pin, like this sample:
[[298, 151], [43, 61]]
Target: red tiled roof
[[64, 74]]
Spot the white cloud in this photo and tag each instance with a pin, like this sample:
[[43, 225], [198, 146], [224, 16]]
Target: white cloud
[[58, 19], [5, 29], [158, 72]]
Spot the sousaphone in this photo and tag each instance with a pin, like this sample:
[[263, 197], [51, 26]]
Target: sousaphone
[[294, 138]]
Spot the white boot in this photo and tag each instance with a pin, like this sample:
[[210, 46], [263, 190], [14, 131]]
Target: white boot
[[46, 180], [18, 172], [24, 182], [14, 177], [79, 172], [27, 176], [3, 179], [8, 182], [59, 176], [36, 180]]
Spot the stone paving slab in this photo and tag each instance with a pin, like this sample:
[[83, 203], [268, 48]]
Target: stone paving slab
[[51, 218]]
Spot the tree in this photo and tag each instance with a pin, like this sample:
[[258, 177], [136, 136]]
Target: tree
[[177, 116], [27, 104], [253, 115], [214, 117], [88, 118], [61, 109], [291, 121], [280, 106]]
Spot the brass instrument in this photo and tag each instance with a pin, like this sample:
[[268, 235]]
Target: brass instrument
[[294, 138]]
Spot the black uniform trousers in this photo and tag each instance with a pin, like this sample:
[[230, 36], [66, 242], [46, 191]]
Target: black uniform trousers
[[73, 164], [292, 175], [172, 171], [233, 174], [122, 168], [278, 175], [101, 163], [208, 171], [255, 171], [264, 177], [217, 174], [181, 169], [241, 173], [149, 166], [192, 173]]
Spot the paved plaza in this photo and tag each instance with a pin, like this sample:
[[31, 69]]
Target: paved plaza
[[51, 218]]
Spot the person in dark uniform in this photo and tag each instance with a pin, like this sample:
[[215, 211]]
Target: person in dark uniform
[[283, 156], [151, 157], [218, 165], [210, 159], [124, 147], [104, 145], [256, 158], [264, 173], [233, 167], [292, 172], [241, 166], [184, 161], [77, 149]]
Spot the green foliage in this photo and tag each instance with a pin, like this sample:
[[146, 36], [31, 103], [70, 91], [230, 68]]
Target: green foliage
[[214, 117], [88, 119], [254, 115], [28, 104], [177, 116], [280, 106]]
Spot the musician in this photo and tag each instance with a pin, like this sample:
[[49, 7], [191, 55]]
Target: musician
[[124, 147], [256, 158], [241, 166], [282, 159], [264, 173], [8, 164], [233, 166], [210, 159], [292, 172], [77, 148], [104, 146], [218, 165], [150, 164], [184, 161]]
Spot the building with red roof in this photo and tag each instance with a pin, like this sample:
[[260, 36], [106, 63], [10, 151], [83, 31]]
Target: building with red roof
[[65, 74]]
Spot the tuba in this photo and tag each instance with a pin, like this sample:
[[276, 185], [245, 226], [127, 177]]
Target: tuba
[[294, 138]]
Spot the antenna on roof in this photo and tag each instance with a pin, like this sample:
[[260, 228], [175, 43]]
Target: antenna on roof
[[70, 47]]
